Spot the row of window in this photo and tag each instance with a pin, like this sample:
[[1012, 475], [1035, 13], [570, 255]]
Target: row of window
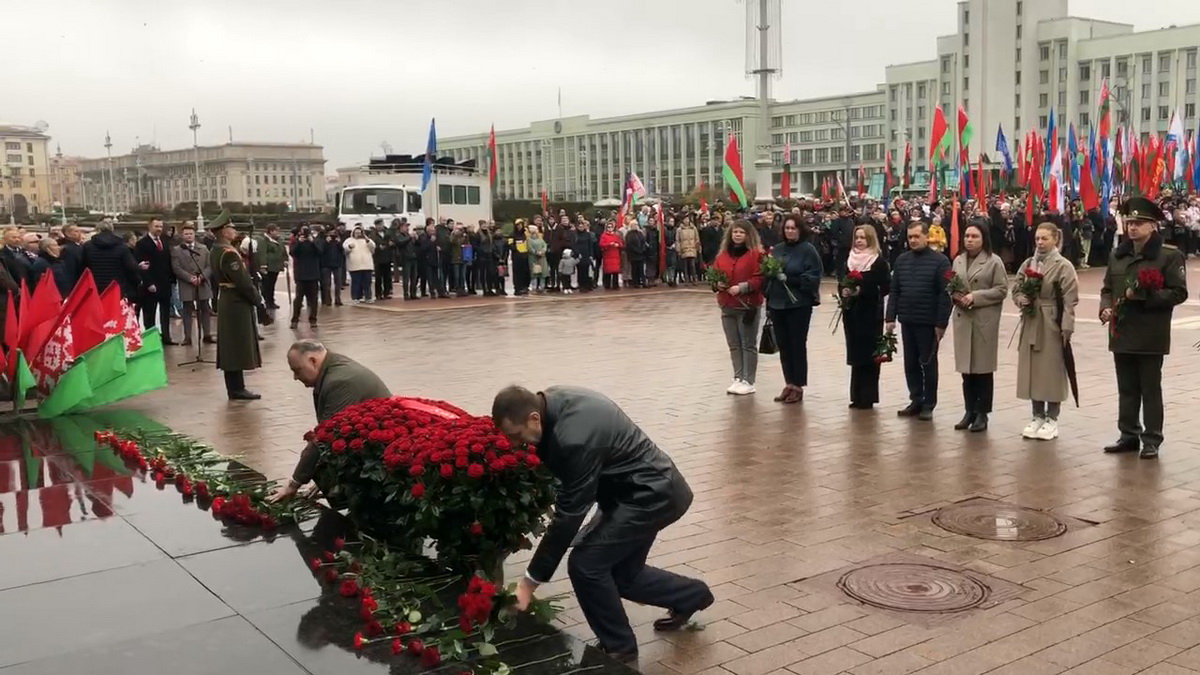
[[820, 135], [16, 145], [13, 158], [837, 155], [826, 116], [458, 194]]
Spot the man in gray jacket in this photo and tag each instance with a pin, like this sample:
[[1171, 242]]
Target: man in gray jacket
[[338, 382], [601, 457]]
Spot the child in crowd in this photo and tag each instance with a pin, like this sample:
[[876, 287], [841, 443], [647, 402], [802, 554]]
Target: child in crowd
[[566, 270]]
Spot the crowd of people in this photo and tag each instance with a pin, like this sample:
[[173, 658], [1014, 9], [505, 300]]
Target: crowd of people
[[892, 271]]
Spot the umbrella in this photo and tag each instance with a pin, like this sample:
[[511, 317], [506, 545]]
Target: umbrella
[[1068, 352]]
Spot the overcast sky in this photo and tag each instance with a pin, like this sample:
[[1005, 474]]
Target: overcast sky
[[360, 72]]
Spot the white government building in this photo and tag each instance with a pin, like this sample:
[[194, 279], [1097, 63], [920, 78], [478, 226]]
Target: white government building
[[1009, 64]]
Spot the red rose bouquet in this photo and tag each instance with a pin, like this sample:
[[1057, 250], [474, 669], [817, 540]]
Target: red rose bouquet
[[413, 469], [955, 286], [1030, 286], [1147, 280], [885, 348]]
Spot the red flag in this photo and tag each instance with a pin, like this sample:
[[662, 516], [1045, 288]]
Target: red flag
[[545, 203], [1087, 188], [825, 189], [887, 174], [907, 176], [662, 240], [862, 179], [933, 188], [42, 315], [492, 149], [954, 231], [785, 183]]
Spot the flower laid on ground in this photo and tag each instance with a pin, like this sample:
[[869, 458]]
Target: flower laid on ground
[[956, 287], [885, 348], [1030, 286], [772, 271], [200, 475]]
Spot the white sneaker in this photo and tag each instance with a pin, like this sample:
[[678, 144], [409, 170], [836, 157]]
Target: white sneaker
[[1048, 430], [746, 389], [1031, 429], [734, 387]]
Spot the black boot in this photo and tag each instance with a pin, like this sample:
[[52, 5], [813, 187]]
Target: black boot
[[965, 422], [980, 423]]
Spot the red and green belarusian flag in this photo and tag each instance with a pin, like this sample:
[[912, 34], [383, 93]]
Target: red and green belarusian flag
[[1105, 111], [492, 151], [907, 175], [940, 139], [732, 172], [965, 131], [785, 183]]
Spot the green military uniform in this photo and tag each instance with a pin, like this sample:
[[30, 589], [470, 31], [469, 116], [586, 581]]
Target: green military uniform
[[1140, 329], [237, 338], [271, 257]]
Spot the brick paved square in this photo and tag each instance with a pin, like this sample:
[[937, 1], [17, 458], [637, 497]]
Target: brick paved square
[[797, 492]]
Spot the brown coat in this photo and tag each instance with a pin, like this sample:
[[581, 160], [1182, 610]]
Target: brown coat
[[1041, 374], [977, 330], [688, 241]]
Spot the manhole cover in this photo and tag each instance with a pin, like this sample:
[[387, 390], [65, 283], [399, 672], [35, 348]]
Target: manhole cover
[[909, 587], [999, 522]]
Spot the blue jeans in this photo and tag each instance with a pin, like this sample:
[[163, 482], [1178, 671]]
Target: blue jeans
[[460, 278], [360, 285]]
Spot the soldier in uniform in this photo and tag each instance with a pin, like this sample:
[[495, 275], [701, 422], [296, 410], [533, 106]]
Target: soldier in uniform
[[237, 339], [1139, 322]]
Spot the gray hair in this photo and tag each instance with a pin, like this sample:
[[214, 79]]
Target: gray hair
[[104, 226], [45, 244], [307, 347]]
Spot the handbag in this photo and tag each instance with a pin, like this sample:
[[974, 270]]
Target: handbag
[[502, 270], [767, 344], [537, 269]]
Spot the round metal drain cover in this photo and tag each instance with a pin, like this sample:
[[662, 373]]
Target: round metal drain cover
[[910, 587], [999, 522]]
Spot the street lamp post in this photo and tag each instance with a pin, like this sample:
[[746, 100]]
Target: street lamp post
[[195, 126], [62, 184], [109, 199]]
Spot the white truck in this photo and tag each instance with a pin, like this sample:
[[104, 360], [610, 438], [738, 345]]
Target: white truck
[[392, 189]]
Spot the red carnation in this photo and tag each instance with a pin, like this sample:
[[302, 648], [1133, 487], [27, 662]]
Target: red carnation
[[349, 588], [339, 446], [339, 544], [950, 274], [218, 504], [416, 647], [533, 460], [356, 444], [1150, 279], [431, 657], [397, 646], [202, 489], [1031, 273], [475, 471], [447, 471], [317, 564], [403, 628], [328, 556], [854, 275], [416, 470], [476, 528], [374, 628], [418, 490], [359, 641], [331, 575]]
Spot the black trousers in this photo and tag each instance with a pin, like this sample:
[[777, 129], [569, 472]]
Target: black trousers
[[604, 574], [978, 389], [410, 279], [920, 363], [864, 384], [611, 281], [306, 292], [163, 315], [637, 270], [552, 260], [269, 279], [383, 279], [331, 285], [1139, 397], [235, 380], [791, 334], [583, 272]]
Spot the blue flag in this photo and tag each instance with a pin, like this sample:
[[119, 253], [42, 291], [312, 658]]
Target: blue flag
[[1073, 148], [1051, 144], [1002, 148], [430, 155]]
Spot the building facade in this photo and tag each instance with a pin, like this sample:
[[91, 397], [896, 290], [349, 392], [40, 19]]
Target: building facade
[[25, 176], [248, 173], [1012, 63], [1009, 64]]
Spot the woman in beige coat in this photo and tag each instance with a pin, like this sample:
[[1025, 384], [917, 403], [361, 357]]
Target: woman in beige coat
[[976, 322], [687, 240], [1041, 371]]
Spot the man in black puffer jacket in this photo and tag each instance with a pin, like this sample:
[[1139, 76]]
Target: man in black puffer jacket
[[919, 300], [111, 261]]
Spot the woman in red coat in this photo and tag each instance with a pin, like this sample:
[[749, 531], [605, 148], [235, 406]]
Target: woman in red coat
[[611, 244], [739, 294]]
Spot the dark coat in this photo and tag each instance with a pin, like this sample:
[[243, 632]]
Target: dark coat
[[18, 265], [342, 383], [159, 274], [710, 243], [72, 257], [601, 457], [802, 267], [862, 319], [406, 250], [583, 244], [635, 245], [306, 260], [111, 261], [1144, 323], [58, 269], [237, 339], [918, 293], [427, 251]]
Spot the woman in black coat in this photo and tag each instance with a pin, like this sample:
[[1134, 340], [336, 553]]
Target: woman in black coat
[[635, 247], [862, 316], [519, 246]]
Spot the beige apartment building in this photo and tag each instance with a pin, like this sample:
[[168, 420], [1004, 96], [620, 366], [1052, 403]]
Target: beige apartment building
[[249, 173], [1010, 63], [25, 176]]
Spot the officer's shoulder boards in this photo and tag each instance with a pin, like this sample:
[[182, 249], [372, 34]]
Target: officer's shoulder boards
[[1173, 248]]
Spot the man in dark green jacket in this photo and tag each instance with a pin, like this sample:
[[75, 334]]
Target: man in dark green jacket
[[337, 382], [1139, 320]]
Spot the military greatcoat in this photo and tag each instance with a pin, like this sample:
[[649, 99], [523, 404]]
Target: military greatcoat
[[237, 340]]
